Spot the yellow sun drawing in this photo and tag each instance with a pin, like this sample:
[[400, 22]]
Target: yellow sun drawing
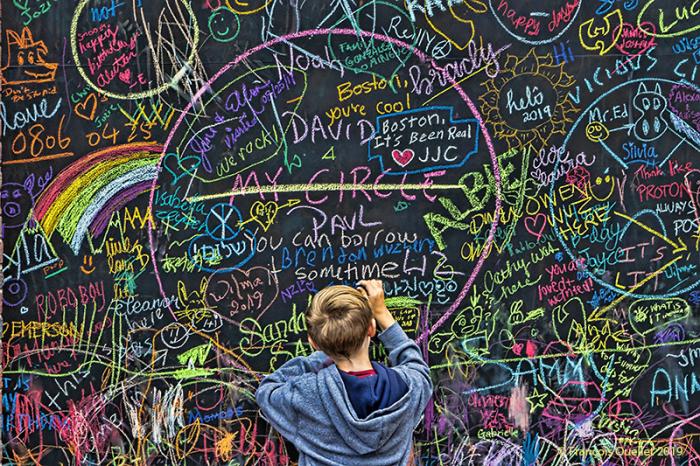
[[528, 101]]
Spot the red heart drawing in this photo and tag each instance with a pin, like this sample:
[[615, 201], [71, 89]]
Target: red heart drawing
[[536, 229], [530, 349], [125, 76], [635, 40], [403, 158]]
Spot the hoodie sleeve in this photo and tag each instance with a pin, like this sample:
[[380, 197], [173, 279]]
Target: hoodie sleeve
[[406, 358], [275, 394]]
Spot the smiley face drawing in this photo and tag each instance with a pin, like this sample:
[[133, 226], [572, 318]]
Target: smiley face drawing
[[535, 23], [247, 7], [224, 25], [597, 131]]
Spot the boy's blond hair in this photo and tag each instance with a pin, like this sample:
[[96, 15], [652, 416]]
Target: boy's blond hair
[[338, 319]]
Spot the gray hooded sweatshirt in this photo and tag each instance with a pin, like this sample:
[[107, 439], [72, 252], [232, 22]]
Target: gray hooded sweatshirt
[[305, 400]]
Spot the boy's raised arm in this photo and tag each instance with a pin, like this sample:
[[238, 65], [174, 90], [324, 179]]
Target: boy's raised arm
[[403, 352]]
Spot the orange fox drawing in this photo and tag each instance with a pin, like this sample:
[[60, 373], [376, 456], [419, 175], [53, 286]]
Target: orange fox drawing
[[25, 59]]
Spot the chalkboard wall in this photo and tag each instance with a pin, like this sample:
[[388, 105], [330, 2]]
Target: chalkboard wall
[[179, 177]]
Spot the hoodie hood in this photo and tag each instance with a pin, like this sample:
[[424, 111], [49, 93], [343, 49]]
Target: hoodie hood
[[371, 392], [362, 435]]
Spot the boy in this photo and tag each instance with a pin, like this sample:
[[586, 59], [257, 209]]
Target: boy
[[348, 410]]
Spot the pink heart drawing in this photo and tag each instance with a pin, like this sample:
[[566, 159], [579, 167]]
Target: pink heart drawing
[[403, 158], [125, 76], [518, 348], [536, 229]]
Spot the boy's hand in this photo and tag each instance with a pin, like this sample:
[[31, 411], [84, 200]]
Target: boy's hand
[[374, 291]]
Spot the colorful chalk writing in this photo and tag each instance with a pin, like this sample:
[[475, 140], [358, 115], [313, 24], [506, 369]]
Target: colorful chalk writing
[[179, 177]]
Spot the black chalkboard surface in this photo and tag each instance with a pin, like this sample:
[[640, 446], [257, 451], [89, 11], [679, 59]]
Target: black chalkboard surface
[[180, 177]]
